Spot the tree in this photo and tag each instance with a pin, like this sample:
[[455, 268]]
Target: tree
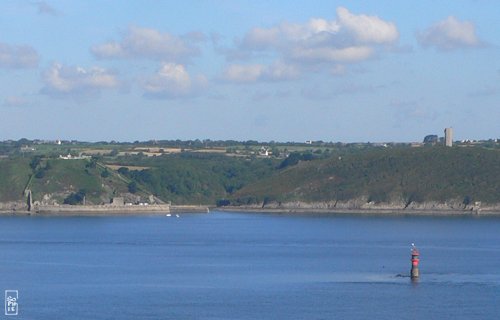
[[93, 162], [75, 198], [275, 151], [123, 170], [40, 174], [222, 202], [132, 187], [431, 139], [295, 157], [105, 173], [35, 162]]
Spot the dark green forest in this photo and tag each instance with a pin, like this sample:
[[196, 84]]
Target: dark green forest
[[385, 175]]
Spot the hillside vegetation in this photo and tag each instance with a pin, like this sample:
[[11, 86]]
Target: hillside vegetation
[[13, 178], [57, 179], [385, 175], [376, 175], [195, 178], [188, 178]]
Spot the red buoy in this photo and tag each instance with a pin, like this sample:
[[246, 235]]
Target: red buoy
[[414, 261]]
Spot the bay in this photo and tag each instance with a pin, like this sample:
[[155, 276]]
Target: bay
[[251, 266]]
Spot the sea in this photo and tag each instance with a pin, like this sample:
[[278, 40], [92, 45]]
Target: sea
[[226, 265]]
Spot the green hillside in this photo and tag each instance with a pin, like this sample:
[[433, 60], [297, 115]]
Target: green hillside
[[56, 179], [14, 174], [377, 174], [188, 178], [385, 175], [196, 178]]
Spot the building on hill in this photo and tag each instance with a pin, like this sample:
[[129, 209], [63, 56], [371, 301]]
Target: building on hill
[[27, 149], [117, 201], [70, 157], [264, 151], [448, 137]]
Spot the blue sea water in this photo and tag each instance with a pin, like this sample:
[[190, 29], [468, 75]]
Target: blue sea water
[[250, 266]]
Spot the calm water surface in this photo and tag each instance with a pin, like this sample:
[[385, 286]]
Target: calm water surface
[[250, 266]]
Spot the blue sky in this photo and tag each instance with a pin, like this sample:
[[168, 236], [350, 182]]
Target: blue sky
[[265, 70]]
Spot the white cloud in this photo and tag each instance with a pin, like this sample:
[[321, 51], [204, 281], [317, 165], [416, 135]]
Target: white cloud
[[316, 45], [18, 57], [150, 44], [60, 80], [350, 37], [249, 73], [287, 35], [367, 29], [450, 34], [108, 50], [173, 81]]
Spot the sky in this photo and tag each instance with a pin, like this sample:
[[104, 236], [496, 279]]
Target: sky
[[341, 71]]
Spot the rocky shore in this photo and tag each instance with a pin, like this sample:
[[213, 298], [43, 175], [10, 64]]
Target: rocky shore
[[358, 206], [362, 206]]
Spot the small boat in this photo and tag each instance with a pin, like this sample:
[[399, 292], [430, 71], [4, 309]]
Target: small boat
[[168, 215]]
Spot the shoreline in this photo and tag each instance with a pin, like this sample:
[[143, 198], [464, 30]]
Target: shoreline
[[363, 211], [99, 210]]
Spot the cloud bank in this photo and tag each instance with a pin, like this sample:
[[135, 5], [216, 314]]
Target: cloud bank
[[349, 38]]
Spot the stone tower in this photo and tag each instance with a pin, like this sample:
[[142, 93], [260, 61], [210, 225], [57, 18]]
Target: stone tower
[[448, 137]]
